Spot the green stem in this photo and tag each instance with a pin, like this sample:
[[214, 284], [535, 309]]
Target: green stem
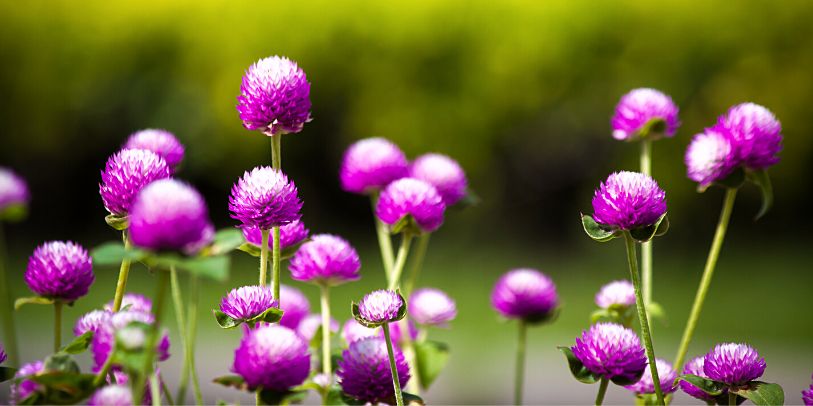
[[263, 257], [276, 152], [152, 341], [602, 389], [108, 363], [417, 262], [642, 317], [177, 301], [165, 390], [732, 398], [325, 301], [519, 375], [646, 248], [194, 293], [7, 306], [708, 272], [408, 346], [276, 258], [124, 271], [384, 240], [400, 261], [57, 325], [155, 389], [396, 384]]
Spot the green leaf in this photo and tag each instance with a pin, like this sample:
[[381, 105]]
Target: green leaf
[[354, 310], [32, 300], [62, 388], [250, 249], [647, 233], [216, 268], [112, 253], [762, 393], [271, 315], [225, 241], [577, 369], [412, 399], [232, 381], [596, 231], [624, 381], [7, 373], [646, 399], [119, 223], [335, 396], [402, 311], [733, 181], [713, 388], [431, 357], [288, 252], [224, 321], [14, 213], [653, 128], [763, 181], [270, 397], [79, 344]]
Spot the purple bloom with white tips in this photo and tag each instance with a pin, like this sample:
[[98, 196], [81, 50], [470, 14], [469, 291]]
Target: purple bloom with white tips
[[380, 306], [666, 376], [616, 293], [525, 294], [807, 395], [125, 174], [414, 198], [695, 367], [639, 107], [133, 302], [274, 97], [611, 350], [629, 200], [295, 306], [248, 302], [264, 198], [353, 331], [26, 387], [710, 158], [364, 370], [755, 133], [112, 395], [371, 164], [272, 357], [325, 259], [161, 142], [105, 337], [170, 215], [442, 172], [13, 189], [431, 307], [91, 321], [60, 270], [290, 234], [733, 364], [310, 324]]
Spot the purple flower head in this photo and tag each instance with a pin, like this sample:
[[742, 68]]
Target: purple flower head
[[733, 364], [161, 142], [310, 324], [695, 367], [60, 270], [397, 331], [13, 189], [272, 357], [364, 370], [26, 387], [125, 174], [274, 97], [353, 331], [807, 395], [104, 338], [247, 302], [91, 321], [666, 376], [525, 294], [325, 259], [133, 302], [629, 200], [170, 215], [710, 158], [431, 307], [295, 306], [264, 198], [370, 164], [381, 306], [611, 350], [616, 293], [289, 235], [414, 198], [639, 107], [442, 172], [755, 133], [112, 395]]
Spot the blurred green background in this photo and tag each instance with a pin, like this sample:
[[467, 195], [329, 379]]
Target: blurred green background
[[521, 93]]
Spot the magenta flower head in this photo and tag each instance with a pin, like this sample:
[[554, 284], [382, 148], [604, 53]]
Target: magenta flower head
[[13, 192], [431, 307], [104, 338], [525, 294], [612, 351], [695, 367], [170, 215], [60, 270], [161, 142], [125, 174], [629, 200], [442, 172], [616, 293], [295, 306], [755, 133], [274, 97], [666, 376], [733, 364], [26, 387], [642, 112], [310, 324], [353, 331], [379, 307], [133, 302], [325, 259], [291, 234], [272, 357], [247, 302], [264, 198], [112, 395], [710, 158], [397, 331], [91, 321], [364, 370], [370, 164], [807, 395], [412, 201]]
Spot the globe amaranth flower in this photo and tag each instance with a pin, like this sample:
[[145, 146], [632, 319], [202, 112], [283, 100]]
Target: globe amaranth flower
[[414, 198], [442, 172], [432, 307], [611, 351], [91, 321], [264, 198], [616, 293], [525, 294], [370, 164], [112, 395], [639, 107], [274, 97], [25, 387], [248, 302], [353, 331], [666, 376], [289, 235], [126, 173], [272, 357], [161, 142], [710, 158], [629, 200], [133, 302], [381, 306], [364, 370], [733, 364], [60, 270], [755, 133], [295, 306], [310, 324], [807, 395], [170, 215], [13, 189], [695, 367], [104, 338], [325, 259]]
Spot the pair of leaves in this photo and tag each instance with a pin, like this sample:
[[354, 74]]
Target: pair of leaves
[[760, 393], [270, 315], [7, 373], [402, 312], [583, 375], [431, 357], [602, 233], [212, 267]]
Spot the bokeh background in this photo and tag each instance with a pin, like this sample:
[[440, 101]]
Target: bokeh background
[[520, 92]]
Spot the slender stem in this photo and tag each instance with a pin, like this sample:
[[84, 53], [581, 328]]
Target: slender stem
[[602, 389], [325, 300], [264, 257], [646, 248], [7, 306], [708, 272], [396, 383], [152, 341], [642, 317], [194, 293], [732, 398], [417, 262], [124, 271], [165, 390], [177, 301], [257, 400], [408, 347], [276, 152], [519, 375], [384, 240], [400, 261], [155, 389], [276, 258], [57, 325]]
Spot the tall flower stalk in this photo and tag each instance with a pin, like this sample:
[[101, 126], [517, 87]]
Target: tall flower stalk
[[6, 306], [646, 247], [187, 338]]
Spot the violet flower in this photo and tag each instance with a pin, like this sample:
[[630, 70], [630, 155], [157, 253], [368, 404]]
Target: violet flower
[[638, 109], [133, 302], [710, 158], [380, 307], [112, 395], [353, 331], [161, 142], [310, 324], [611, 351], [525, 294], [325, 260], [60, 270], [733, 364], [755, 133], [126, 173], [104, 339], [629, 200], [646, 386], [274, 97], [247, 302], [807, 395], [291, 234], [413, 200], [371, 164], [695, 367], [364, 370], [295, 306], [431, 307], [616, 293], [13, 190], [25, 387], [442, 172], [91, 321], [264, 198], [272, 357], [3, 355]]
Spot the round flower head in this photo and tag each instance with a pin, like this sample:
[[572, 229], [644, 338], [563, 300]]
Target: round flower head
[[524, 294], [247, 302], [616, 293], [666, 376], [289, 235], [272, 357], [310, 324], [60, 270], [364, 370], [755, 133], [325, 259], [442, 172], [105, 336], [807, 395], [264, 198], [370, 164], [91, 321], [629, 200], [611, 350], [133, 302], [274, 97], [112, 395], [161, 142], [710, 158], [125, 174], [26, 387], [353, 331], [380, 306], [295, 306], [639, 107], [431, 307], [170, 215], [414, 198], [733, 364], [694, 367], [13, 189]]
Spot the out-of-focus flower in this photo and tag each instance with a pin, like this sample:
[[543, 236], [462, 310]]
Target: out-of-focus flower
[[295, 306], [91, 321], [525, 294], [755, 133], [695, 367], [161, 142], [289, 235], [666, 376], [371, 164], [272, 357], [432, 307], [112, 395], [134, 302], [640, 106], [710, 158], [325, 259], [126, 173], [442, 172], [310, 324], [26, 387], [616, 293], [13, 189], [414, 198]]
